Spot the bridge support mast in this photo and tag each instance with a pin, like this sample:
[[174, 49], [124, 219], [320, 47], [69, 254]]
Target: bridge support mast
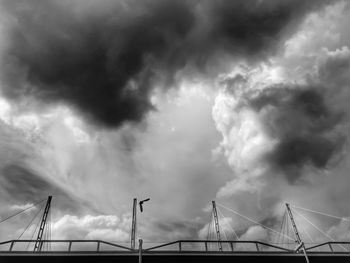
[[38, 244], [133, 224], [297, 236], [217, 226]]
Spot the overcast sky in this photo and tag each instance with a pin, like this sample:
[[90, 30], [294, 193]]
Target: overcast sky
[[243, 102]]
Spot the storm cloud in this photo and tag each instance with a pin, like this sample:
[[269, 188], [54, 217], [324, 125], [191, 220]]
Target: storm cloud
[[302, 122], [105, 58]]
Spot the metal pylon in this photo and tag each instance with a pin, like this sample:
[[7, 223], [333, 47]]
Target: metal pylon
[[133, 224], [297, 236], [38, 244], [217, 226]]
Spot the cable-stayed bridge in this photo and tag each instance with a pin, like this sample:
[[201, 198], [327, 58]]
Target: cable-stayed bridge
[[293, 241]]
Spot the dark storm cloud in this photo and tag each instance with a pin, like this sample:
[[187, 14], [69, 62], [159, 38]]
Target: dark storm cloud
[[90, 62], [106, 63], [304, 125], [252, 27]]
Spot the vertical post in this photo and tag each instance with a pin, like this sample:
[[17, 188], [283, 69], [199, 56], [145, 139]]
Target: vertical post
[[11, 246], [231, 245], [140, 250], [257, 247], [330, 247], [38, 244], [133, 224], [297, 236], [217, 227]]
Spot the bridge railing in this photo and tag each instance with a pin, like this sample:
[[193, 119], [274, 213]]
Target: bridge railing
[[213, 245], [179, 245], [62, 245], [204, 246], [331, 246]]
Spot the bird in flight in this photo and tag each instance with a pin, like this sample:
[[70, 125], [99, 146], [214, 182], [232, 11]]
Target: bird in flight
[[141, 203]]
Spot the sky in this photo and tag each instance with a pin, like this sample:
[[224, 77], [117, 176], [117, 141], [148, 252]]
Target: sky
[[184, 102]]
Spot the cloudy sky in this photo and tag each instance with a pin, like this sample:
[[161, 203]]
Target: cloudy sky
[[243, 102]]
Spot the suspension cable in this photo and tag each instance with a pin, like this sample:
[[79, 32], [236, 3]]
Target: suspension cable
[[30, 223], [234, 232], [255, 222], [303, 229], [224, 231], [211, 218], [31, 238], [321, 213], [225, 234], [212, 229], [307, 234], [283, 225], [288, 232], [285, 230], [45, 238], [209, 228], [322, 232], [3, 220], [281, 230], [50, 223]]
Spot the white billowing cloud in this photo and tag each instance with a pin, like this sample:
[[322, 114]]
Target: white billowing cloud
[[35, 123], [323, 26], [106, 227], [4, 110], [255, 233], [244, 138], [245, 183]]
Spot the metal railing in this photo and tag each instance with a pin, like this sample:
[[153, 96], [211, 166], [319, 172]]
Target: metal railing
[[331, 247], [179, 246], [231, 246], [69, 244]]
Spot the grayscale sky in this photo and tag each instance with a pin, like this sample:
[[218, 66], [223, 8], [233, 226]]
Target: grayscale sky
[[245, 102]]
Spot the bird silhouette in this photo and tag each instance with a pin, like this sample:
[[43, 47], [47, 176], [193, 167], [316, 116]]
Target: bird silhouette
[[141, 203]]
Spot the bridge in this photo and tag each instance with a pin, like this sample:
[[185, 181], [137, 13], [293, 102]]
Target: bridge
[[213, 248]]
